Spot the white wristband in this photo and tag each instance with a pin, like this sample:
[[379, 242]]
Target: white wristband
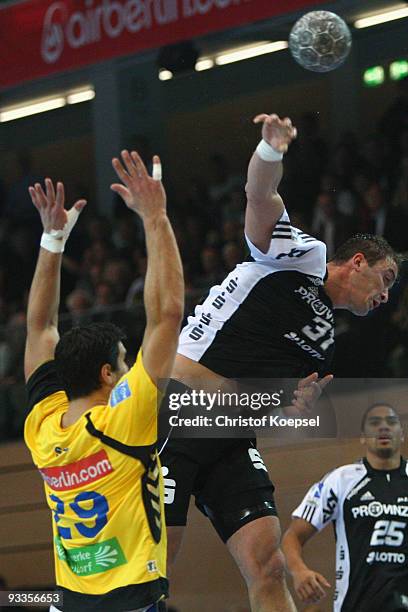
[[54, 241], [268, 153]]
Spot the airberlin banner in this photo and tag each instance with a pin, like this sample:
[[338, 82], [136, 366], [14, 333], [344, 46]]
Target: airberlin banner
[[42, 37]]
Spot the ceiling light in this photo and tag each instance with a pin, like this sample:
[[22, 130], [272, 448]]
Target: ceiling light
[[367, 22], [42, 105], [165, 75], [80, 96], [242, 53], [33, 108], [204, 63]]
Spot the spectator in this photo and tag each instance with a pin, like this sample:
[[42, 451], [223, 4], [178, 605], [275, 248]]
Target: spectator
[[310, 154], [135, 293], [18, 209], [125, 236], [222, 180], [329, 225], [78, 304], [91, 278], [118, 274], [233, 206], [400, 196], [231, 255], [105, 296], [384, 221], [212, 270], [346, 201], [399, 338], [97, 253]]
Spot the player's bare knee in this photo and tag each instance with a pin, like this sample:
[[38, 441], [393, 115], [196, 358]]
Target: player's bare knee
[[274, 567], [265, 568]]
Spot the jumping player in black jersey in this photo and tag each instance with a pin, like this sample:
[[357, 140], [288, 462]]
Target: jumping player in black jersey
[[368, 504], [271, 317]]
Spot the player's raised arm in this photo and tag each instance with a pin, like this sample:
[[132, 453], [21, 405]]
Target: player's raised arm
[[43, 301], [164, 286], [264, 204]]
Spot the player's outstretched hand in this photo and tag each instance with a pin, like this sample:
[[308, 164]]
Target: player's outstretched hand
[[140, 192], [277, 132], [50, 204], [307, 394], [309, 585]]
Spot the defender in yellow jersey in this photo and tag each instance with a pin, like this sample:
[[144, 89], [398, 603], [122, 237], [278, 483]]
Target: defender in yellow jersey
[[107, 508], [92, 430]]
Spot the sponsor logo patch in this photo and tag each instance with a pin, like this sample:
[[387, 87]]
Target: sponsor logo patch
[[75, 475], [318, 491], [93, 559], [151, 567], [385, 557], [303, 345], [120, 393], [376, 509]]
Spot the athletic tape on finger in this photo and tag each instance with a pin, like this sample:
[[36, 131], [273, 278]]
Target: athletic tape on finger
[[157, 172], [72, 215]]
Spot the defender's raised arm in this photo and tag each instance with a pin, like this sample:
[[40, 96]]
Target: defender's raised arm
[[164, 286], [43, 301]]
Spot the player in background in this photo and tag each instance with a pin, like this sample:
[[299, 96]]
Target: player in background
[[271, 317], [367, 502], [92, 430]]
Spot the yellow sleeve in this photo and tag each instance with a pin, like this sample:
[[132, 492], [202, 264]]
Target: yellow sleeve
[[133, 407], [39, 413]]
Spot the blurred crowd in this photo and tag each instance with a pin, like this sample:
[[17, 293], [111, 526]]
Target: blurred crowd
[[331, 189]]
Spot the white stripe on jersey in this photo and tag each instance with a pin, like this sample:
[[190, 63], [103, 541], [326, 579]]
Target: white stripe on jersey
[[219, 306], [342, 564], [290, 250]]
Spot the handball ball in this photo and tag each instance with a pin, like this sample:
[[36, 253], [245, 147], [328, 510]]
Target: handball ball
[[320, 41]]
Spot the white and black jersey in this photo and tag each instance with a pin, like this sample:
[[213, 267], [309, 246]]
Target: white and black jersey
[[270, 317], [369, 509]]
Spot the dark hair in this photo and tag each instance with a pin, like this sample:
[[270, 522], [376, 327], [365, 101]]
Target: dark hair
[[374, 248], [80, 354], [370, 408]]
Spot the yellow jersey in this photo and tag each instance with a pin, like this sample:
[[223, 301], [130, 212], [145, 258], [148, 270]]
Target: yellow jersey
[[103, 484]]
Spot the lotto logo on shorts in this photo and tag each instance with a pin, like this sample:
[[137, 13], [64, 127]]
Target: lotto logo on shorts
[[75, 475]]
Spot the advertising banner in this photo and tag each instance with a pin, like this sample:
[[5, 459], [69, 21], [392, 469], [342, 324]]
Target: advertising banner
[[42, 37]]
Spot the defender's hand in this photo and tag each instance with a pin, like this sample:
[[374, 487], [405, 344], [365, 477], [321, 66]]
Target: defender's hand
[[277, 132], [307, 394], [50, 205], [140, 192], [310, 586]]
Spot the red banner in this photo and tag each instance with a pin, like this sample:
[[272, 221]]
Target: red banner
[[43, 37]]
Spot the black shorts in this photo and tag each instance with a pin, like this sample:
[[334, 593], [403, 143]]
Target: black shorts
[[227, 477]]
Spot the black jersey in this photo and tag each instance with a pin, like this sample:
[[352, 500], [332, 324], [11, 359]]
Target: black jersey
[[270, 317], [369, 509]]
